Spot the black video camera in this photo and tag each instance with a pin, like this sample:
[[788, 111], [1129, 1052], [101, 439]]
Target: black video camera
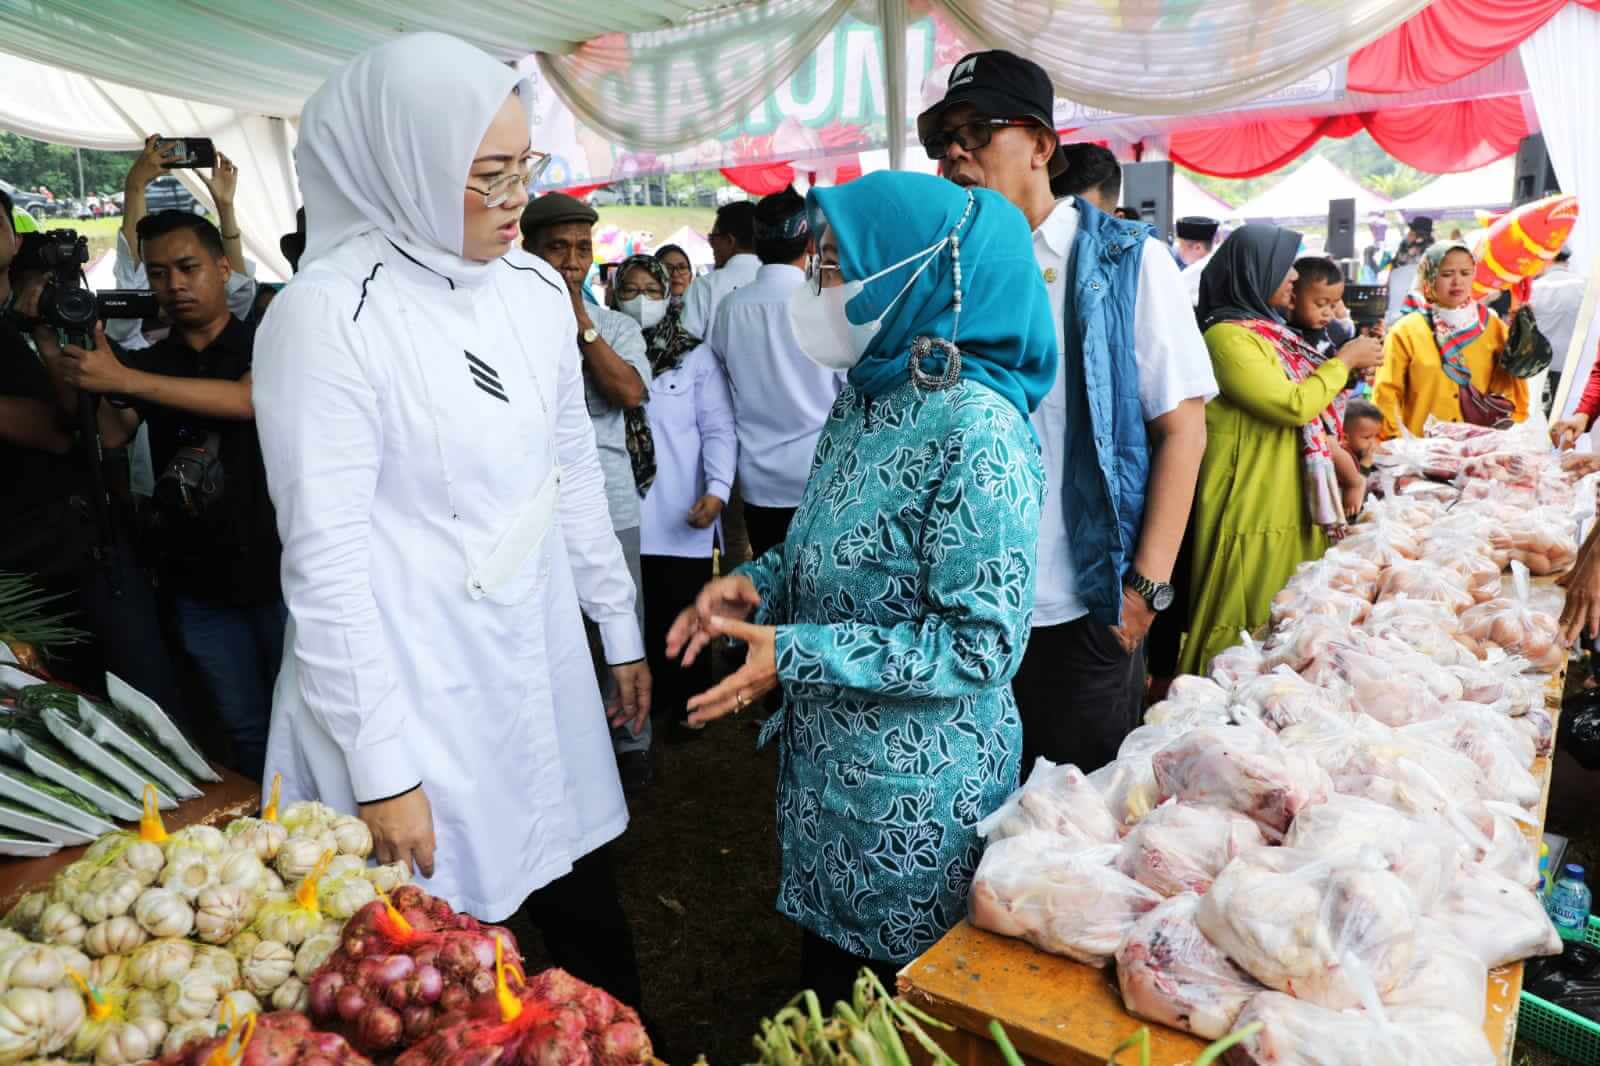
[[67, 303]]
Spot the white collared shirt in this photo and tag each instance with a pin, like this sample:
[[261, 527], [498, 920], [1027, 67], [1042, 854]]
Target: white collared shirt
[[706, 293], [691, 419], [1174, 366], [780, 397], [1556, 302]]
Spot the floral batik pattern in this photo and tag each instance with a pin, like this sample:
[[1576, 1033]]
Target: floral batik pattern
[[902, 597]]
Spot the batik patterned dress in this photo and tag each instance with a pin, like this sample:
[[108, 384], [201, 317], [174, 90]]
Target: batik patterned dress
[[902, 596]]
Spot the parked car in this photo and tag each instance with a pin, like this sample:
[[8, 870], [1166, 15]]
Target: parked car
[[31, 202], [167, 193], [605, 196]]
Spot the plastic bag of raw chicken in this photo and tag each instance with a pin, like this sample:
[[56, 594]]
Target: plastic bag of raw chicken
[[1299, 645], [1241, 769], [1498, 919], [1445, 975], [1170, 973], [1513, 624], [1297, 1033], [1424, 853], [1282, 698], [1502, 752], [1233, 665], [1064, 899], [1428, 627], [1055, 799], [1181, 847], [1323, 927], [1191, 701], [1388, 680], [1544, 540], [1423, 579], [1383, 543], [1296, 603]]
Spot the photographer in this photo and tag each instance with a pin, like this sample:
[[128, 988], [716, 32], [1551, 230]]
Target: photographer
[[53, 530], [219, 539]]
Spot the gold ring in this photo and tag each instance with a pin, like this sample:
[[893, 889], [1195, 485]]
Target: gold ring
[[740, 703]]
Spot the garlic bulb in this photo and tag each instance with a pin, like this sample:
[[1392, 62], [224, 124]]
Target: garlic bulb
[[111, 893], [264, 839], [187, 872], [31, 966], [221, 911], [164, 913], [306, 815], [207, 838], [352, 836], [105, 971], [343, 896], [36, 1022], [144, 1003], [241, 869], [126, 1043], [313, 953], [243, 944], [186, 1033], [69, 883], [388, 877], [267, 967], [271, 882], [193, 996], [60, 924], [344, 866], [219, 962], [298, 855], [115, 936], [159, 962], [24, 917], [287, 923], [142, 859], [291, 995]]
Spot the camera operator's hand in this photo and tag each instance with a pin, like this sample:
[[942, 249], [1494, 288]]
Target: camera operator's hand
[[95, 369], [153, 161], [222, 181]]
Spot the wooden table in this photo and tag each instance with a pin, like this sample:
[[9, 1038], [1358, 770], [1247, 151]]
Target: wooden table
[[232, 797], [1063, 1012]]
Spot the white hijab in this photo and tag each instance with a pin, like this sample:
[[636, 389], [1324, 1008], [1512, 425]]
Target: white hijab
[[388, 141]]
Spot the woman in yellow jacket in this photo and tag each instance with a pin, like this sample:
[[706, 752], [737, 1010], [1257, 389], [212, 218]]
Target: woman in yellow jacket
[[1446, 358]]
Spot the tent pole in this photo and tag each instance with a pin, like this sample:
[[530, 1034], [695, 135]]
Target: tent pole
[[892, 20]]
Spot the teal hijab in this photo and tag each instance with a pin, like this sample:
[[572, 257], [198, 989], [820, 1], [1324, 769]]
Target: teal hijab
[[1006, 335]]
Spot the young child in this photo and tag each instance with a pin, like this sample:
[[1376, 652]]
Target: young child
[[1318, 295], [1363, 423]]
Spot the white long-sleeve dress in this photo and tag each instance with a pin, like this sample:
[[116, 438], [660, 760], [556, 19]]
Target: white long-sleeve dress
[[443, 515]]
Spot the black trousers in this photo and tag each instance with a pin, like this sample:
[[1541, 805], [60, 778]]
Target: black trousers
[[585, 931], [767, 526], [831, 972], [1079, 694], [671, 583]]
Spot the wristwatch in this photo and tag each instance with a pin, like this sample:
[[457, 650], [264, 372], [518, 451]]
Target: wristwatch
[[1158, 594], [589, 336]]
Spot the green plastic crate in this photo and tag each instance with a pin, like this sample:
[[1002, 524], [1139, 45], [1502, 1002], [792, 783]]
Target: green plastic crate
[[1558, 1029]]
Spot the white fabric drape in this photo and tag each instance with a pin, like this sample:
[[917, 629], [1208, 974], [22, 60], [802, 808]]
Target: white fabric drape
[[1565, 81], [66, 108], [663, 91], [1135, 57], [267, 57]]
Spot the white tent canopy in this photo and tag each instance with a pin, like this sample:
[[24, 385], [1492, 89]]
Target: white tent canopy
[[1190, 199], [1305, 194], [1487, 187]]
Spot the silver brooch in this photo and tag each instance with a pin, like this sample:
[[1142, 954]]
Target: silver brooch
[[921, 348]]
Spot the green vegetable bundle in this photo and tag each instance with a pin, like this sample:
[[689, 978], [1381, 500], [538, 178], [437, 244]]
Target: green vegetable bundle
[[864, 1032]]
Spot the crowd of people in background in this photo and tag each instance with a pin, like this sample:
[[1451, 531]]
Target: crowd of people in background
[[1005, 467]]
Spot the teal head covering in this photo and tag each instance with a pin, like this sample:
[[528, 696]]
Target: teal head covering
[[1006, 334]]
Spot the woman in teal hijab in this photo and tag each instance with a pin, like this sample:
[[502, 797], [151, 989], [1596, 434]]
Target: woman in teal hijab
[[897, 610]]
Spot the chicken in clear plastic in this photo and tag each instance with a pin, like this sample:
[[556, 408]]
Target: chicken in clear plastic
[[1512, 625], [1293, 604], [1062, 899], [1424, 853], [1240, 769], [1445, 975], [1317, 926], [1054, 799], [1128, 785], [1297, 1033], [1544, 540], [1499, 920], [1180, 847], [1388, 680], [1423, 579], [1170, 973], [1299, 645], [1427, 627], [1235, 664], [1281, 698]]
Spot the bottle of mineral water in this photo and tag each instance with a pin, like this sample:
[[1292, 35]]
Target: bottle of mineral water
[[1569, 903]]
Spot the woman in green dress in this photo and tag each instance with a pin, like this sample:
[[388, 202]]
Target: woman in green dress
[[1268, 499]]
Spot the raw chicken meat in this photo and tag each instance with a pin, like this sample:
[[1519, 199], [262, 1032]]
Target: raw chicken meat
[[1539, 727], [1445, 975], [1297, 1033], [1128, 786], [1427, 627], [1234, 664], [1383, 543], [1423, 579], [1501, 751], [1064, 900], [1179, 847], [1241, 769], [1425, 854], [1388, 680], [1203, 691], [1170, 973], [1349, 572], [1319, 927], [1498, 919], [1542, 540], [1318, 601], [1055, 799], [1305, 642], [1511, 624], [1497, 844], [1282, 698]]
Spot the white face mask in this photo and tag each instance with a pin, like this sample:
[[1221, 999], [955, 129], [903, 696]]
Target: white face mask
[[823, 329], [643, 310]]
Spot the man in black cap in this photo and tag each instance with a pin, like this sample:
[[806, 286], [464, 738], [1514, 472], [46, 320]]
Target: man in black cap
[[1403, 268], [616, 377], [1196, 236], [1122, 430]]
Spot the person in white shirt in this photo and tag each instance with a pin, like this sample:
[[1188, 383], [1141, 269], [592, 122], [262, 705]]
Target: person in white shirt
[[733, 244], [616, 379], [1122, 430], [691, 421], [1557, 301], [1404, 264], [780, 397], [442, 507], [1194, 245]]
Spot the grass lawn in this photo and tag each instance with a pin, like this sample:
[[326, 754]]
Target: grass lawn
[[658, 220], [102, 232]]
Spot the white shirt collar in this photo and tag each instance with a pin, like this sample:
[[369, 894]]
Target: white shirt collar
[[1058, 227]]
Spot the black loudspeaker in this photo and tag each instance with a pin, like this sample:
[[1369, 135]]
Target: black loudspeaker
[[1147, 188], [1341, 229], [1536, 177]]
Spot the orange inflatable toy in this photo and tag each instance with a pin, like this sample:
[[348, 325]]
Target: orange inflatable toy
[[1519, 244]]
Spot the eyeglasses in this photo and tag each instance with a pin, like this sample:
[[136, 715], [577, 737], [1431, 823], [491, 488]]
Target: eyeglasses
[[820, 275], [522, 175], [970, 135], [629, 292], [678, 268]]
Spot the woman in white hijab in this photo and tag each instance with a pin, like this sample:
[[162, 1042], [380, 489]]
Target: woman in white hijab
[[421, 411]]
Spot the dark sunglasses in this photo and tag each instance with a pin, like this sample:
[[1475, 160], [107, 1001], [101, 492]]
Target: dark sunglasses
[[971, 135]]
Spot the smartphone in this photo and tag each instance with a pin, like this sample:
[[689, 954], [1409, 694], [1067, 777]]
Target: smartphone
[[191, 152]]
